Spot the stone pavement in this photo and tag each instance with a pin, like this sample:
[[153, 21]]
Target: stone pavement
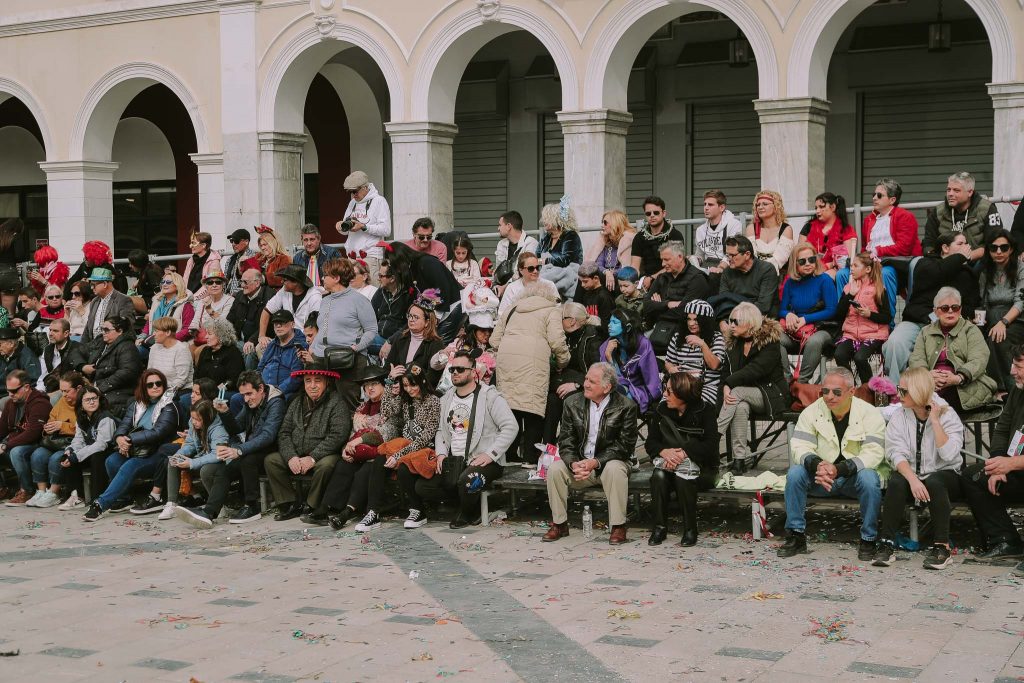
[[134, 599]]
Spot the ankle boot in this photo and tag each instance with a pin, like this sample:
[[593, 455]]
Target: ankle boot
[[687, 491]]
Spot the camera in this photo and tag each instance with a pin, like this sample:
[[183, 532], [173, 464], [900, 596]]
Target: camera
[[345, 226]]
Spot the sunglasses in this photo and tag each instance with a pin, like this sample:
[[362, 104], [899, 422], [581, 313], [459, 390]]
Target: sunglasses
[[167, 282], [105, 330], [652, 213], [531, 269], [807, 260], [424, 238], [948, 308], [825, 391], [879, 195], [217, 283], [902, 392], [734, 321], [54, 297], [76, 295], [458, 368], [998, 248], [154, 385]]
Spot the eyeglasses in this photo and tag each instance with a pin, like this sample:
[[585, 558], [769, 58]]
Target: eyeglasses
[[948, 308], [652, 213], [998, 248], [54, 297], [76, 295], [458, 368], [249, 282], [90, 399], [825, 391], [424, 238], [807, 260], [734, 254], [167, 282], [413, 316], [734, 321], [154, 385], [105, 330], [531, 269], [902, 391]]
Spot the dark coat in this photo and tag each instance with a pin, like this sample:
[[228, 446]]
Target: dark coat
[[931, 273], [260, 425], [390, 310], [616, 435], [690, 284], [164, 426], [323, 433], [21, 359], [29, 429], [762, 368], [222, 366], [120, 305], [118, 366], [245, 313], [698, 427], [426, 351], [584, 346], [73, 357]]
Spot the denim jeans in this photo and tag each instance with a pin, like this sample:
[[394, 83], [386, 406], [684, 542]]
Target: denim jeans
[[54, 468], [21, 461], [866, 487], [898, 347], [122, 472], [41, 471], [888, 279]]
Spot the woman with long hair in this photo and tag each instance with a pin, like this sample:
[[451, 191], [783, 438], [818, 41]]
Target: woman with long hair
[[631, 354], [418, 342], [94, 435], [272, 257], [864, 311], [77, 307], [1002, 302], [172, 301], [614, 248], [463, 263], [830, 232], [769, 232], [50, 269], [205, 433], [808, 304], [698, 349]]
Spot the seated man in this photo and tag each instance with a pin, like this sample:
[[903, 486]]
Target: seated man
[[14, 355], [838, 449], [315, 428], [963, 212], [679, 283], [476, 428], [999, 481], [24, 414], [61, 355], [253, 436], [746, 279], [280, 359], [598, 432]]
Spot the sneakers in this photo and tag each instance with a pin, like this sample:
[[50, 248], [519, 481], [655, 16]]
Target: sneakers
[[370, 522], [72, 503], [31, 502], [249, 513], [93, 513], [197, 517], [168, 511], [415, 520], [885, 554], [147, 507], [121, 505], [937, 557], [796, 543], [47, 500], [19, 500], [866, 550]]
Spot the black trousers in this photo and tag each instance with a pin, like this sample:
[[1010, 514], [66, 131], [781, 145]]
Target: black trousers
[[664, 483], [843, 353], [246, 468], [99, 481], [531, 430], [989, 511], [356, 485], [160, 473], [943, 487], [418, 490]]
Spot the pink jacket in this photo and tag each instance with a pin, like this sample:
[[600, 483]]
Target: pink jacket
[[857, 326]]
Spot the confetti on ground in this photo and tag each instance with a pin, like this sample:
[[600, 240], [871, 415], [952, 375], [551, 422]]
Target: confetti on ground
[[762, 596], [211, 589], [258, 549], [312, 638], [622, 614], [471, 547], [423, 657], [385, 606], [636, 603], [35, 524], [680, 567], [181, 621], [831, 629]]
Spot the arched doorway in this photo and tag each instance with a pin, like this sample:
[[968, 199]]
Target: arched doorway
[[22, 182]]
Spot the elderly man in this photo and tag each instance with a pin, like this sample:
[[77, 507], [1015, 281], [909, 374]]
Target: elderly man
[[596, 443], [838, 449], [423, 239], [678, 284], [240, 253], [314, 255], [108, 302], [59, 356], [245, 313], [747, 279], [962, 211], [298, 296], [14, 355], [369, 219], [316, 427]]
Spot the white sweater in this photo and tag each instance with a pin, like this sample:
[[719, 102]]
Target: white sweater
[[175, 363]]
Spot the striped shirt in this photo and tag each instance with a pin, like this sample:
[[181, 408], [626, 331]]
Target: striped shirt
[[690, 359]]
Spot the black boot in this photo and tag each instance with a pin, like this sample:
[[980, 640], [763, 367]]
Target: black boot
[[658, 535], [288, 511], [687, 491], [338, 520]]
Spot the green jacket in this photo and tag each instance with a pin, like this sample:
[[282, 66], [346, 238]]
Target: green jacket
[[967, 351], [981, 215], [863, 443]]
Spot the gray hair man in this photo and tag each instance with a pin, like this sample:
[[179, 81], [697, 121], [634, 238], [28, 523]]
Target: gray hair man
[[678, 283], [962, 211]]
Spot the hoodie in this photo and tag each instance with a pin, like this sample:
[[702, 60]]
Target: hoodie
[[709, 244], [373, 211]]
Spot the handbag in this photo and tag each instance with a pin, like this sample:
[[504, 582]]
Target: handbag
[[506, 269], [803, 393], [661, 335], [55, 442], [138, 451], [337, 357]]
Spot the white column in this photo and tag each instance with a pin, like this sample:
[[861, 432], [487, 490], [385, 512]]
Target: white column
[[595, 161], [793, 148], [281, 184], [80, 202], [421, 172], [1008, 153], [211, 198]]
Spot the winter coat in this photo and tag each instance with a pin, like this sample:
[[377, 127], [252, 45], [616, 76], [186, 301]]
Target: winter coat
[[981, 215], [194, 450], [526, 338], [223, 366], [856, 326], [616, 435], [182, 311], [400, 351], [639, 374], [416, 421], [323, 432], [688, 285], [762, 368], [164, 419], [73, 356], [966, 350], [568, 249], [258, 425], [863, 443], [21, 359], [901, 441], [29, 429], [903, 239], [118, 366], [390, 310], [584, 350], [279, 362], [373, 212], [245, 313], [930, 274], [493, 427], [698, 427]]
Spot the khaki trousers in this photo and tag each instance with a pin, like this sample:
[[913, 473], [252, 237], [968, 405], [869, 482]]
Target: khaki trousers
[[614, 480], [281, 478]]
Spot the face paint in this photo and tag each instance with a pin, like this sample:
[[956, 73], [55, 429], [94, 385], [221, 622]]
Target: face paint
[[614, 327]]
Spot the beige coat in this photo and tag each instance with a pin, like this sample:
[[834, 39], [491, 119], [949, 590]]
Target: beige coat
[[527, 337]]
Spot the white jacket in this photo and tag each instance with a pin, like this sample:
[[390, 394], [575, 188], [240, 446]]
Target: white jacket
[[375, 214], [901, 441], [708, 245]]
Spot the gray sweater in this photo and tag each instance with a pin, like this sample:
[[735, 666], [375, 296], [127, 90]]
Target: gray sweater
[[494, 427], [346, 319], [759, 286]]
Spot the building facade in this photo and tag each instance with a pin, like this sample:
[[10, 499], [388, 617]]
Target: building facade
[[138, 121]]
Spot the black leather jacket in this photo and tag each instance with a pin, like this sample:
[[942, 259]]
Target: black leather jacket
[[616, 435], [698, 429]]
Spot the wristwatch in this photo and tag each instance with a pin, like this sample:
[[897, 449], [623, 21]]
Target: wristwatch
[[1004, 321]]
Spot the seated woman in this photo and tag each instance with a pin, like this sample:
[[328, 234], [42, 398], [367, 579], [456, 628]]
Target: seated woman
[[409, 422], [922, 442], [149, 422], [561, 249], [78, 308], [683, 445], [808, 302], [632, 356], [205, 433], [614, 247], [214, 304], [830, 232], [581, 334], [94, 435], [272, 257], [220, 360], [464, 265], [864, 310], [361, 279], [115, 367], [1002, 302], [58, 433], [418, 342], [756, 383], [170, 355], [769, 232], [172, 301], [698, 349], [955, 352]]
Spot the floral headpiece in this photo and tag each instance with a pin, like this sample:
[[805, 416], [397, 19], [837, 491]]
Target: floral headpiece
[[429, 299], [263, 229], [359, 257], [415, 370], [563, 207]]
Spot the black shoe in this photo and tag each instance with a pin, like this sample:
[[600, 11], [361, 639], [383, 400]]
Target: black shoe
[[249, 513], [738, 466], [460, 522], [658, 535], [148, 506], [937, 557], [288, 511], [122, 505], [196, 517], [314, 518], [93, 513], [689, 538], [866, 551], [339, 519], [796, 543], [885, 554], [1002, 551]]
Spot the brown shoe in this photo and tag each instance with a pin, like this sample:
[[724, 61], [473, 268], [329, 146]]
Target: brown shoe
[[618, 536], [20, 498], [556, 531]]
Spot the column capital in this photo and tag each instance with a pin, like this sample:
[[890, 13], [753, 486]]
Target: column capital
[[208, 163], [422, 131], [88, 170], [609, 121], [1006, 95], [274, 141], [233, 6], [792, 109]]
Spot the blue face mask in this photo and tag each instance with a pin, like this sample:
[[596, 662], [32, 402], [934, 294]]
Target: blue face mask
[[614, 327]]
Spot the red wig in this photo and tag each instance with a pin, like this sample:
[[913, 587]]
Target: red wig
[[44, 255], [97, 253]]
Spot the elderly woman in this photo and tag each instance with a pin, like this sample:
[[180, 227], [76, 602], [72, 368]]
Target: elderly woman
[[808, 302], [172, 301], [581, 335], [115, 367], [205, 259], [771, 235], [528, 266], [829, 232], [955, 352], [526, 338], [272, 257], [53, 306], [683, 445], [632, 356], [756, 384], [1002, 302], [220, 359], [170, 355], [346, 318], [361, 279], [698, 349], [922, 441], [614, 247], [215, 304], [561, 249]]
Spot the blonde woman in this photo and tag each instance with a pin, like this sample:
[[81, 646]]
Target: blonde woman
[[172, 301], [809, 300], [561, 250], [614, 248], [771, 234], [272, 258]]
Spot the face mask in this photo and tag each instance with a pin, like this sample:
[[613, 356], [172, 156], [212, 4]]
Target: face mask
[[614, 327]]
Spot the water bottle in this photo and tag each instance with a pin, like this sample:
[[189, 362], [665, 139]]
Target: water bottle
[[588, 522]]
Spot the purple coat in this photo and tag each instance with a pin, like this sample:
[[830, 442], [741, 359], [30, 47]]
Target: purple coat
[[639, 376]]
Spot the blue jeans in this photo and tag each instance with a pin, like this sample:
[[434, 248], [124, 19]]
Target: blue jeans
[[866, 487], [374, 348], [897, 348], [21, 460], [888, 279], [53, 466], [122, 472], [42, 473]]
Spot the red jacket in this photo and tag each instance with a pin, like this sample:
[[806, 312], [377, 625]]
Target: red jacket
[[30, 428], [902, 227]]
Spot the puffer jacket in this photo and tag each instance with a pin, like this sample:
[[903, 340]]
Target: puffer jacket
[[981, 215], [323, 432], [279, 362], [616, 435], [96, 436], [182, 311], [762, 368], [856, 326], [966, 350], [527, 337], [118, 366], [901, 441], [165, 420]]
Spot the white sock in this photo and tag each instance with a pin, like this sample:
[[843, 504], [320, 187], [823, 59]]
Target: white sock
[[154, 496]]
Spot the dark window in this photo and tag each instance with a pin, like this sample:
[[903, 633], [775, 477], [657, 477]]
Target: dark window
[[145, 217]]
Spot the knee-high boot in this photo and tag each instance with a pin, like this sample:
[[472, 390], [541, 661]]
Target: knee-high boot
[[660, 492], [687, 491]]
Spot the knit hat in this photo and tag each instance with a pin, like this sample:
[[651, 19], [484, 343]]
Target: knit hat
[[699, 307]]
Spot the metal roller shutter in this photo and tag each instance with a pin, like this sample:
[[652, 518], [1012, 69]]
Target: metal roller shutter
[[725, 153], [552, 157], [921, 137], [480, 176]]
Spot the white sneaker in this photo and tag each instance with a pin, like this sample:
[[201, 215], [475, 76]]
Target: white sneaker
[[168, 511], [31, 502], [47, 500], [72, 503], [415, 520], [370, 522]]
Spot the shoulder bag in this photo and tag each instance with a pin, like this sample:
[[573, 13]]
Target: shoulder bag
[[506, 269], [337, 357]]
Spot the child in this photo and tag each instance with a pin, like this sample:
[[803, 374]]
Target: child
[[630, 297], [464, 266]]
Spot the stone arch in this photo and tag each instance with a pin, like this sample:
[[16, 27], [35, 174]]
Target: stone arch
[[827, 19], [365, 125], [449, 51], [630, 28], [92, 136], [9, 88]]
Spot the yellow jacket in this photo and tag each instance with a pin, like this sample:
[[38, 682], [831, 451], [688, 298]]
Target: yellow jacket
[[863, 443]]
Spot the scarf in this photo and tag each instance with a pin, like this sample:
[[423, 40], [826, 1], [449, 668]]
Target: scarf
[[164, 308]]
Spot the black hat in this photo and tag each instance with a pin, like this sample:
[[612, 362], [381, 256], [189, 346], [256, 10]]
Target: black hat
[[239, 235], [371, 373], [317, 367], [295, 273], [9, 333], [282, 316]]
